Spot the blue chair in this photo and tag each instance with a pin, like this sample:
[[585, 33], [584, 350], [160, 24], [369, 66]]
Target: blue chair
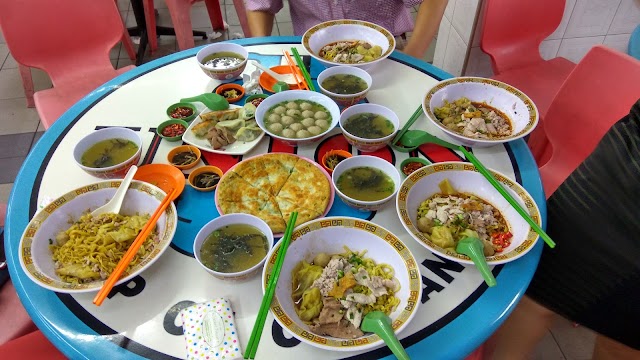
[[634, 43]]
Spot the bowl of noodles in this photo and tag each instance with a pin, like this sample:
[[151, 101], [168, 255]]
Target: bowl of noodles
[[442, 203], [67, 250], [338, 269]]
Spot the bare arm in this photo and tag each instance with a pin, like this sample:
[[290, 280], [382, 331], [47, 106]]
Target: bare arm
[[260, 23], [427, 24]]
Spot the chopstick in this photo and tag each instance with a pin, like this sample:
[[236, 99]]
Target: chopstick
[[483, 170], [133, 249], [305, 73], [295, 71], [256, 333], [416, 114]]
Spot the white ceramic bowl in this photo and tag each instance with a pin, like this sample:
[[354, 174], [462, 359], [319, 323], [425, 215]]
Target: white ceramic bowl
[[345, 99], [364, 144], [225, 220], [330, 235], [423, 183], [35, 256], [224, 75], [337, 30], [520, 109], [115, 171], [290, 95], [369, 161]]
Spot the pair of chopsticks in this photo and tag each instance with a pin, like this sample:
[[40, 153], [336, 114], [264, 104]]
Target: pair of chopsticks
[[295, 71], [416, 114], [303, 69], [256, 333], [133, 250]]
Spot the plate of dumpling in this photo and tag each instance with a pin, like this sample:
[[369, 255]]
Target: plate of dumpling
[[232, 131]]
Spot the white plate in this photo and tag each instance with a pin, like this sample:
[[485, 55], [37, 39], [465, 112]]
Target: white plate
[[237, 148]]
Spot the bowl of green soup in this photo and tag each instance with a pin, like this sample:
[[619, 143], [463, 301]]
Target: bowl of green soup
[[369, 127], [233, 246], [223, 61], [366, 183], [108, 153], [346, 85]]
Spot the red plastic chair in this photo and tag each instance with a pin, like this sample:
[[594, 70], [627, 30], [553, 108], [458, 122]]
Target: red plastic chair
[[180, 11], [599, 92], [63, 38]]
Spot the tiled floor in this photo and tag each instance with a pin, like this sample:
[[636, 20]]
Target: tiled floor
[[20, 129]]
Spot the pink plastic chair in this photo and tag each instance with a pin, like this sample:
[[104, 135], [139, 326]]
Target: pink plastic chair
[[180, 11], [599, 92], [63, 38]]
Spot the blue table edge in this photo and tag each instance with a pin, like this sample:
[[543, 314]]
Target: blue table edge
[[460, 330]]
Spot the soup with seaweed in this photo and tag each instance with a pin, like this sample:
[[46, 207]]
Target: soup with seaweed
[[222, 60], [109, 152], [234, 248], [344, 84], [365, 183], [368, 126]]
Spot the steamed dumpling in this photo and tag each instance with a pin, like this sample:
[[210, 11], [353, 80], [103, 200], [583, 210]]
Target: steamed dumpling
[[231, 125]]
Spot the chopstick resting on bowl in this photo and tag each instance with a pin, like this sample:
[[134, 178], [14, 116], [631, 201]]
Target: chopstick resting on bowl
[[256, 333], [305, 73], [133, 250], [416, 114], [295, 71]]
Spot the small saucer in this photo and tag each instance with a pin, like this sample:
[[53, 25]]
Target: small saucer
[[267, 82], [231, 87]]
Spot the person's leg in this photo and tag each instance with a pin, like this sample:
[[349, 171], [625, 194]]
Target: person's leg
[[608, 349], [521, 332]]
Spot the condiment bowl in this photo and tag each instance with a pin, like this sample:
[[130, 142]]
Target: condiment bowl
[[364, 144], [224, 88], [292, 95], [185, 105], [184, 148], [372, 162], [201, 170], [330, 236], [345, 99], [251, 98], [348, 30], [164, 124], [423, 184], [330, 159], [409, 165], [517, 106], [225, 220], [115, 171], [227, 74]]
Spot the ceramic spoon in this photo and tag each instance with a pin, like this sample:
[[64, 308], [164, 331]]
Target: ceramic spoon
[[287, 78], [380, 324], [113, 206], [473, 248], [210, 100]]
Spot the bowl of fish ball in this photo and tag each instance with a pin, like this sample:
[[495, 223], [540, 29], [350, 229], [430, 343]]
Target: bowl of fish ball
[[346, 85], [182, 111], [442, 203], [342, 257], [205, 178], [480, 112], [67, 250], [349, 42], [233, 246], [369, 127], [172, 130], [222, 61], [297, 117], [366, 183], [184, 157], [108, 153]]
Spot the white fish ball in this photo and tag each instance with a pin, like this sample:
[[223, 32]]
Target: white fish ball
[[288, 133], [292, 105], [321, 115], [287, 120], [296, 127], [293, 112], [313, 130], [276, 128], [303, 134], [280, 110], [308, 122], [274, 117], [322, 123], [308, 113], [305, 106]]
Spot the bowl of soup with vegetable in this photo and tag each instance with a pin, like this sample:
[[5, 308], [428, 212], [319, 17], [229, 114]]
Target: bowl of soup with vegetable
[[366, 183], [222, 61], [108, 153], [346, 85], [369, 127], [233, 246]]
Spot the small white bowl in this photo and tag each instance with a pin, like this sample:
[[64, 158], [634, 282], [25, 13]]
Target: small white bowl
[[369, 161], [520, 109], [290, 95], [231, 219], [223, 75], [345, 99], [338, 30], [115, 171], [364, 144]]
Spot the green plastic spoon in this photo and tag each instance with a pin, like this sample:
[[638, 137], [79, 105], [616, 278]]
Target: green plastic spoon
[[210, 100], [472, 247], [414, 138], [380, 324]]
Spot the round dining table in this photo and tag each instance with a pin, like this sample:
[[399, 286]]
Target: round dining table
[[140, 319]]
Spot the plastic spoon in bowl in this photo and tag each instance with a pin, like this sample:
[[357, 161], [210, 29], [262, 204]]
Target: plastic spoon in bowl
[[287, 78], [473, 248], [379, 323], [113, 206]]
